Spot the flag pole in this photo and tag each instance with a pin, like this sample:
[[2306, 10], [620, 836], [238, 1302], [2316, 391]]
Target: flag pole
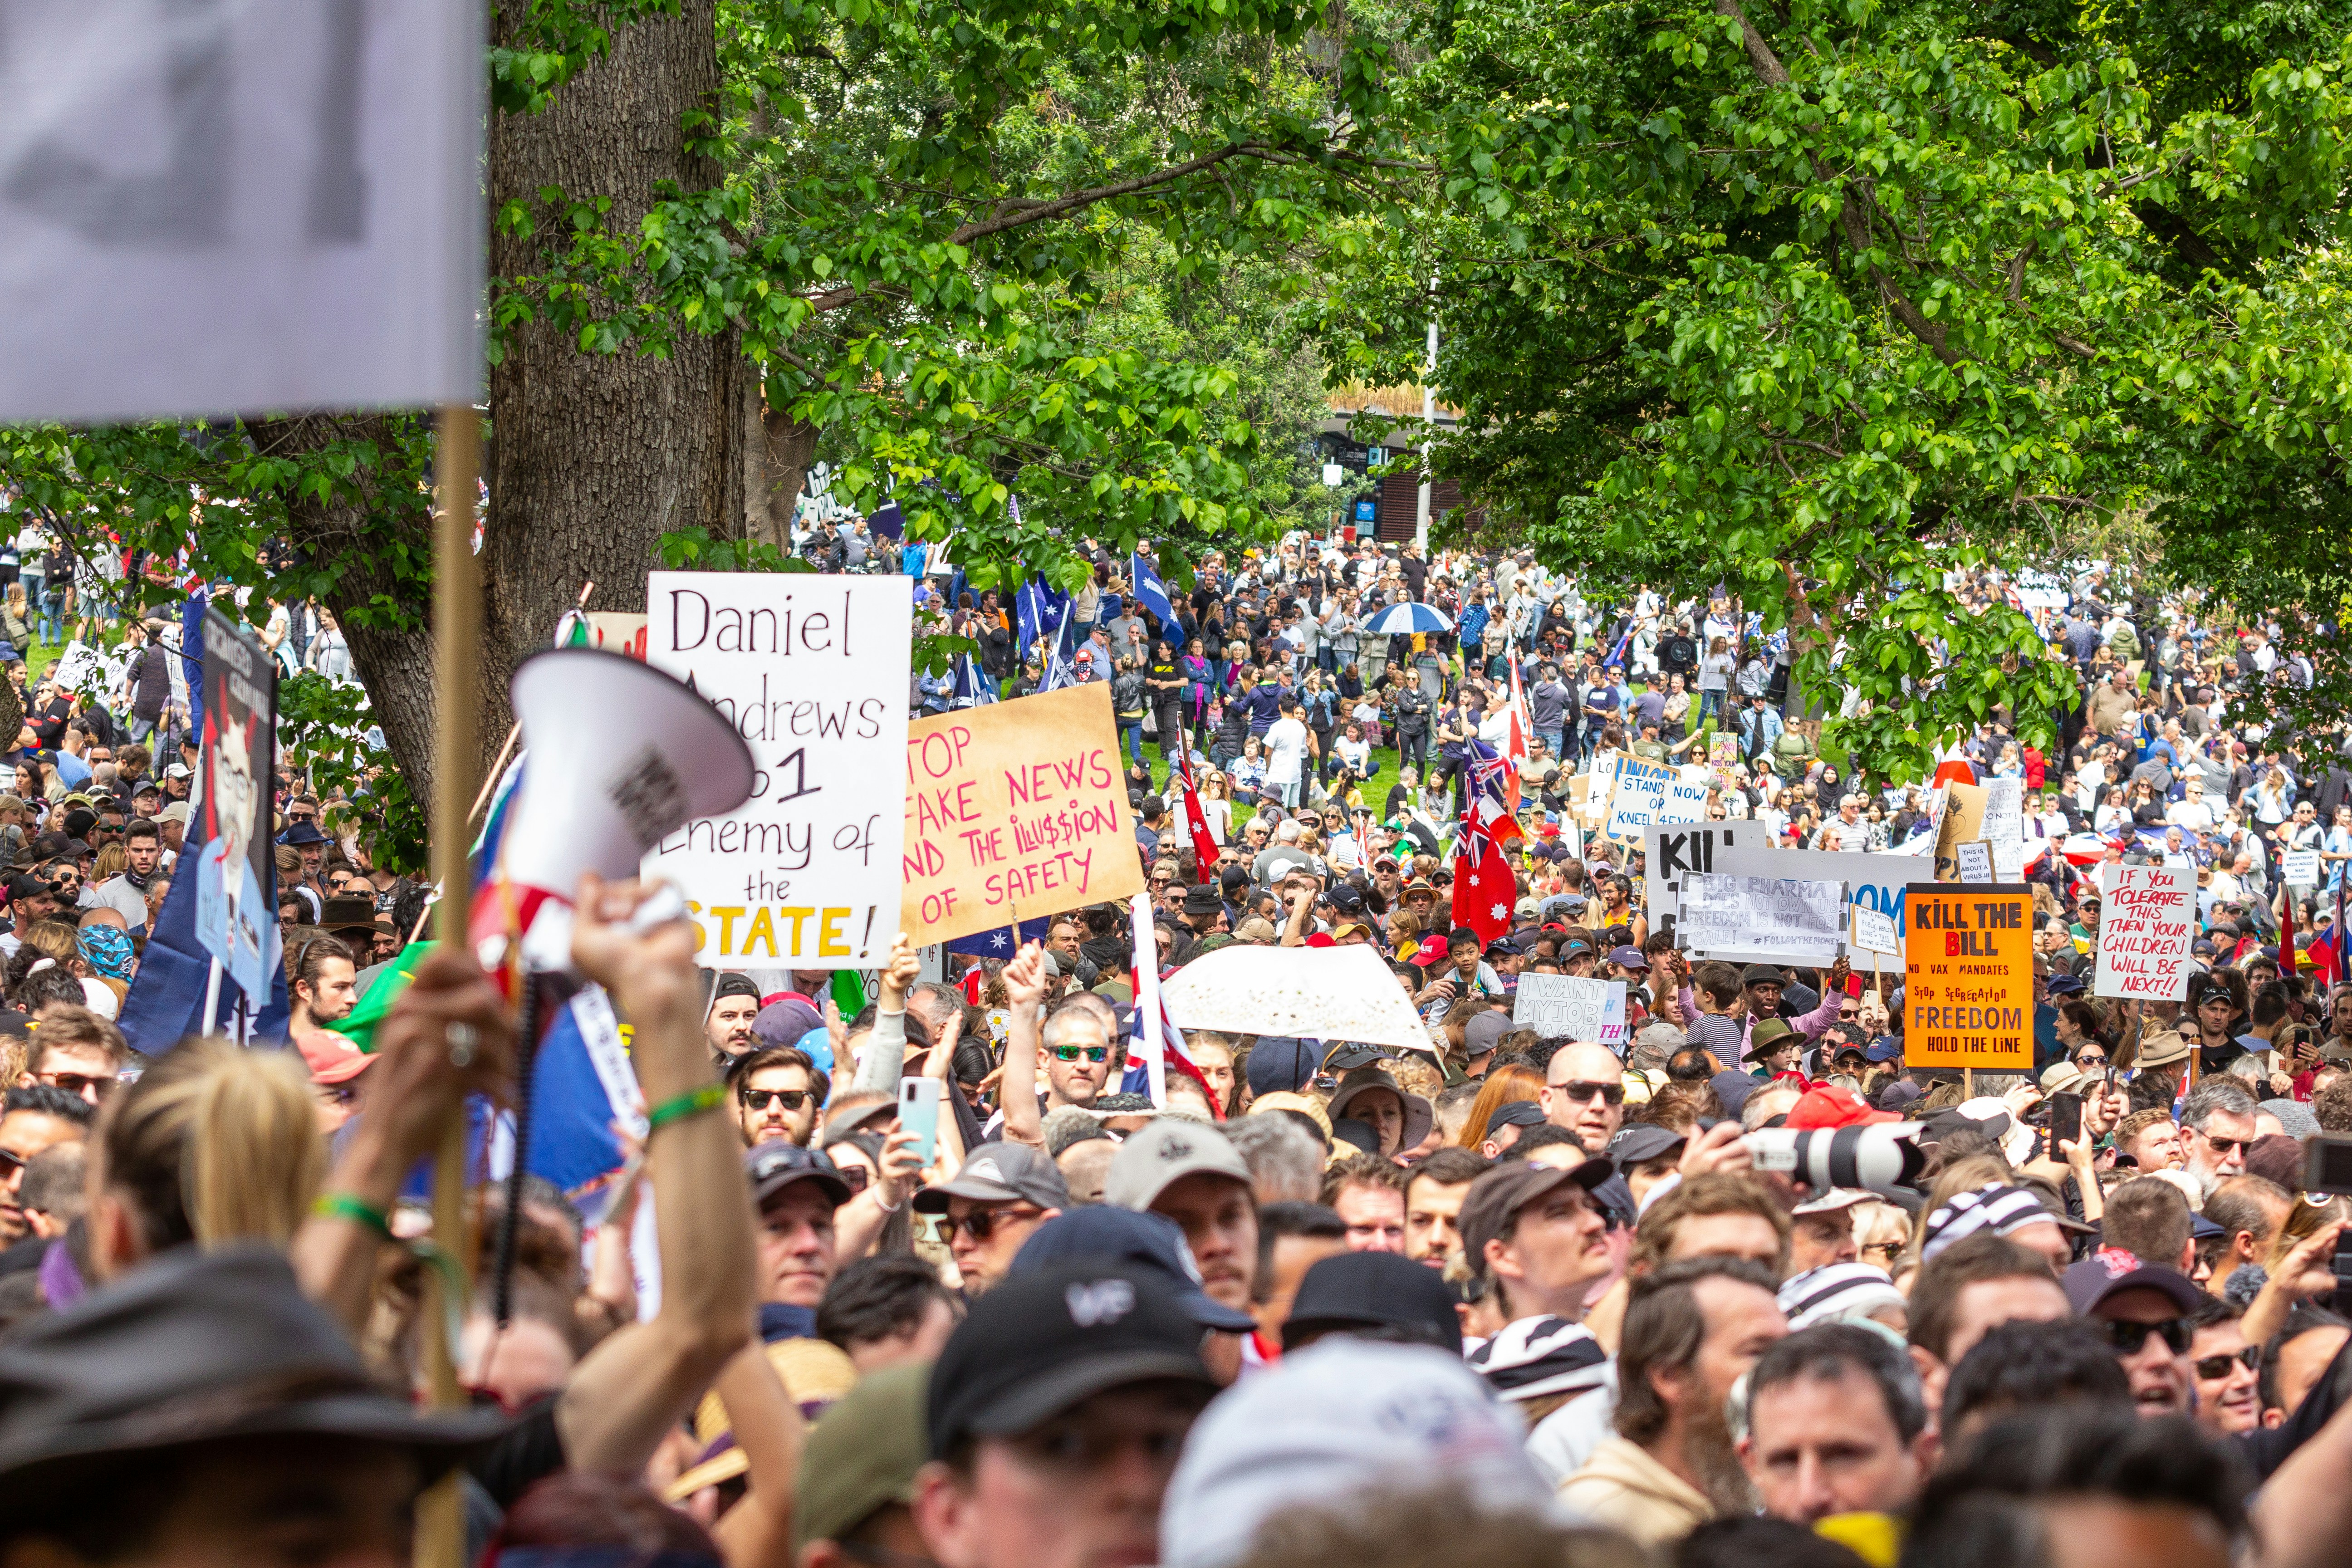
[[457, 626]]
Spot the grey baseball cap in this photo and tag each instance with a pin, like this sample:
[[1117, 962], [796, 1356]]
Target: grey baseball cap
[[1001, 1174], [1165, 1151]]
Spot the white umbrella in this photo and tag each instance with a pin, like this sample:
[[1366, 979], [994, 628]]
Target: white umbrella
[[1398, 620], [1321, 993]]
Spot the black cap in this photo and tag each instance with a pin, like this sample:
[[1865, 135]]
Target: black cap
[[1039, 1343], [1384, 1291], [773, 1167], [1131, 1238], [1513, 1113], [194, 1345], [1349, 1054], [1204, 900]]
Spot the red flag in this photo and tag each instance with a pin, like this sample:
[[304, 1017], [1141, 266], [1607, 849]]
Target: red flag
[[2287, 934], [1196, 821], [1515, 744], [1485, 891]]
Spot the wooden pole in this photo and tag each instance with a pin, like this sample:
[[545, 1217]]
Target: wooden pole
[[457, 629]]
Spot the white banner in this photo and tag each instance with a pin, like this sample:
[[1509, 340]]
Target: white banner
[[1650, 793], [1561, 1006], [2148, 918], [1874, 933], [1874, 882], [209, 207], [1803, 920], [2300, 868], [812, 672], [2004, 826]]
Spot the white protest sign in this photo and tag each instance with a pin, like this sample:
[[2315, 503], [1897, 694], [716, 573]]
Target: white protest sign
[[2004, 826], [1804, 919], [811, 671], [1650, 793], [1976, 859], [1874, 882], [1603, 780], [1561, 1006], [2300, 868], [1874, 933], [209, 208], [2148, 918]]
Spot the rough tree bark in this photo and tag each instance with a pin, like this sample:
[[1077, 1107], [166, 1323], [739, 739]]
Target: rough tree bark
[[592, 458], [784, 450]]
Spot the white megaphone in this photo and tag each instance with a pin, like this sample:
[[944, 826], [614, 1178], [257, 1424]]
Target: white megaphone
[[588, 801]]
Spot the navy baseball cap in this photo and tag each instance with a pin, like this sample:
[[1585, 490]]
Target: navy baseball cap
[[1137, 1240]]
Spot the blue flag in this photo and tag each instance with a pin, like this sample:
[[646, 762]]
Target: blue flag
[[1152, 595], [973, 686], [998, 940], [1060, 659], [166, 1001], [1036, 610]]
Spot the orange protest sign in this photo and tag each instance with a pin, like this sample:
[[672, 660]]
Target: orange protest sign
[[1968, 957], [1015, 810]]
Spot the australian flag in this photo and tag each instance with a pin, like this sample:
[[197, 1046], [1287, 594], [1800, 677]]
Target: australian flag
[[1061, 657], [1037, 609], [999, 942], [973, 689], [1152, 593]]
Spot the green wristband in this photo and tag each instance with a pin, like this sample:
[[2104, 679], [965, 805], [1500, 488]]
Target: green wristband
[[693, 1102], [343, 1206]]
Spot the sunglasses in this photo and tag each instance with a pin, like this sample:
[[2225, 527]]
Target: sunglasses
[[2225, 1145], [11, 1161], [2125, 1339], [2209, 1367], [75, 1083], [792, 1099], [1579, 1092], [981, 1224], [1072, 1053], [2090, 1059]]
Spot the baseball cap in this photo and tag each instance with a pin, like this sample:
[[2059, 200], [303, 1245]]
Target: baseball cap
[[1834, 1201], [1500, 1194], [1135, 1239], [1038, 1344], [2111, 1271], [1280, 1063], [1642, 1141], [1000, 1173], [1830, 1107], [1836, 1293], [331, 1059], [2066, 985], [1335, 1420], [177, 811], [1536, 1357], [1166, 1151], [1997, 1209], [1485, 1032], [773, 1167], [1385, 1292], [1349, 1054], [1628, 958], [1513, 1113]]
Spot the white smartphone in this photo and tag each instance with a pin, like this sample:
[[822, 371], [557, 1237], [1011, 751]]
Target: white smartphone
[[919, 1114]]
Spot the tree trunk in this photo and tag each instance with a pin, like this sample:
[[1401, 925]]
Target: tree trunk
[[786, 449], [592, 458]]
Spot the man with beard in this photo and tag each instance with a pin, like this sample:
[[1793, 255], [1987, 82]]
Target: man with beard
[[1692, 1329], [1194, 1175], [733, 1007]]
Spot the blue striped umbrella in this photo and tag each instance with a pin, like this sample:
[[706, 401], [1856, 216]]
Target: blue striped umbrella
[[1399, 619]]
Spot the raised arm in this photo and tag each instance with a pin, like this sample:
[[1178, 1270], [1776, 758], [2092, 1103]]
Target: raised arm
[[1025, 987]]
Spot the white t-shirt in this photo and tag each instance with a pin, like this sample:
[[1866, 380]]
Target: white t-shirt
[[1285, 751]]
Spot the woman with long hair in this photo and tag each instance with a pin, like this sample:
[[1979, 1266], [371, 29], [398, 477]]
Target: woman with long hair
[[1511, 1082]]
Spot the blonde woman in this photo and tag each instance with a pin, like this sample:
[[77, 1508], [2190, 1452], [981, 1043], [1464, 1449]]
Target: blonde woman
[[15, 620], [1217, 805]]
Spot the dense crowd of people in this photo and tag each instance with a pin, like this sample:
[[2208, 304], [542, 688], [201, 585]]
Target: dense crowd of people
[[1528, 1298]]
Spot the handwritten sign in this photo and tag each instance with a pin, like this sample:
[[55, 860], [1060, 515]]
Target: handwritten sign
[[2004, 826], [1800, 920], [1561, 1006], [2146, 921], [2300, 868], [1874, 883], [1974, 857], [1960, 820], [811, 671], [281, 161], [1873, 932], [1651, 792], [1969, 976], [1015, 807]]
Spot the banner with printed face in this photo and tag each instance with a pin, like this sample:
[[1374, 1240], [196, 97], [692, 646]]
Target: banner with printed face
[[236, 859], [811, 671], [216, 206], [2147, 919], [1969, 976], [1015, 810]]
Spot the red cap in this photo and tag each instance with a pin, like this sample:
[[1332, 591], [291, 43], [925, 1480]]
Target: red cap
[[1827, 1108], [334, 1059]]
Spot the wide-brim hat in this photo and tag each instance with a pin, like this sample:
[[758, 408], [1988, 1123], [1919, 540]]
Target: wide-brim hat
[[1767, 1036], [1419, 1114]]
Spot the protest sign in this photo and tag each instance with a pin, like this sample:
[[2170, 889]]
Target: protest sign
[[1600, 784], [1874, 882], [1723, 748], [1974, 857], [1969, 976], [1314, 993], [1561, 1006], [235, 861], [212, 208], [1873, 932], [1962, 820], [1800, 920], [1015, 810], [2004, 826], [2146, 921], [1651, 792], [2300, 868], [812, 671]]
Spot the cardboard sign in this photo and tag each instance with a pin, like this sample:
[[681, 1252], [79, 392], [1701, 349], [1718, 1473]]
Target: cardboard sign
[[1962, 820], [1968, 960], [1975, 860], [2004, 827], [215, 208], [1561, 1006], [1873, 932], [812, 672], [1803, 920], [1874, 882], [1015, 810], [1650, 793], [2148, 918], [2300, 868], [235, 861]]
